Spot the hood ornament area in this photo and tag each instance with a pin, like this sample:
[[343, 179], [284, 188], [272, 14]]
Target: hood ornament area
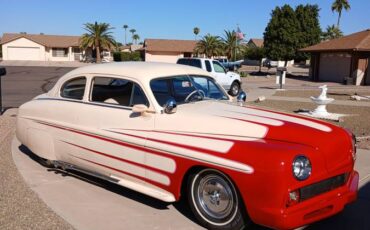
[[241, 98]]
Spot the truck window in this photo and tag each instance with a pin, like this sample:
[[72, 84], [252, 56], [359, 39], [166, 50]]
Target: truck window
[[190, 62], [208, 66], [218, 67]]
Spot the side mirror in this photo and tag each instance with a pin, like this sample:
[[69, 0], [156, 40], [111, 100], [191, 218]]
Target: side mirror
[[242, 97], [170, 106], [2, 71], [140, 108]]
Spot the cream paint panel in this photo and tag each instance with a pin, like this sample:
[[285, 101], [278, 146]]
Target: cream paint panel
[[167, 58], [23, 42], [199, 142]]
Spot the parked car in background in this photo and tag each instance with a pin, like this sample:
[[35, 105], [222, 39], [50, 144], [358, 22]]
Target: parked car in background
[[170, 132], [230, 65], [270, 63], [229, 80]]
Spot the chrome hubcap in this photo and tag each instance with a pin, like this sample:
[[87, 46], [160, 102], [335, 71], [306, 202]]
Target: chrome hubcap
[[215, 197]]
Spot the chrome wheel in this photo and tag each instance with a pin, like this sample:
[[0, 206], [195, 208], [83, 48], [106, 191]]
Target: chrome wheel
[[215, 197], [234, 89]]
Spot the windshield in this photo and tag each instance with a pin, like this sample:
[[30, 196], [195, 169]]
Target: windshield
[[186, 88]]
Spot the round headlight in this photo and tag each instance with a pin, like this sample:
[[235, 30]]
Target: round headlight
[[301, 168]]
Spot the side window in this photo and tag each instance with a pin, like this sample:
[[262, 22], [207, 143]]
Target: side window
[[161, 90], [208, 66], [117, 91], [218, 68], [74, 88]]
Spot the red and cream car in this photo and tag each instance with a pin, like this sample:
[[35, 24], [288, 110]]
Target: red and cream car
[[169, 131]]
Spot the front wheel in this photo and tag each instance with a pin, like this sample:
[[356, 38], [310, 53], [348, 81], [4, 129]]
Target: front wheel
[[234, 89], [214, 201]]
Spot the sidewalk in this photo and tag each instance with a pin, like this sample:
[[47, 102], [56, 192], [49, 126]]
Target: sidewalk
[[44, 63]]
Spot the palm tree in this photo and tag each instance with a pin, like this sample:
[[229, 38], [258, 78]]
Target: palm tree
[[196, 31], [125, 27], [133, 32], [209, 45], [332, 32], [136, 38], [230, 42], [98, 36], [338, 6]]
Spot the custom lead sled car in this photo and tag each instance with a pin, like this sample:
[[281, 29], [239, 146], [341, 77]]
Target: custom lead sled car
[[170, 131]]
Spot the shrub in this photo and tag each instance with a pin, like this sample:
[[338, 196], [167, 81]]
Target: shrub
[[126, 56]]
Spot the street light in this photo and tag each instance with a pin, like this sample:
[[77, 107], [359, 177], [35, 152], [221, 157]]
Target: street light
[[2, 73]]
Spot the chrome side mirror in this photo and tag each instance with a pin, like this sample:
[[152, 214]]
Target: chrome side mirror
[[242, 97], [170, 106]]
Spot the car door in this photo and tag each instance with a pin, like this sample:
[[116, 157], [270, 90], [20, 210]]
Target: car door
[[220, 74], [113, 140]]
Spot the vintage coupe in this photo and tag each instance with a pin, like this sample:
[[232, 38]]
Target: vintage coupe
[[170, 131]]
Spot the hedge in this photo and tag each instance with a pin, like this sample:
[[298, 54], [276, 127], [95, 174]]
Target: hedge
[[126, 56]]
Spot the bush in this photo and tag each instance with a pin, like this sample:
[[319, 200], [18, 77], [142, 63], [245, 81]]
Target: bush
[[126, 56]]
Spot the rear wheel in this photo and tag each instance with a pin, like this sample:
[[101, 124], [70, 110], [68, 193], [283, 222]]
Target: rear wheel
[[214, 201], [234, 89]]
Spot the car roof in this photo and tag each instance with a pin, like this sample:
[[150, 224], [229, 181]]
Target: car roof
[[143, 71]]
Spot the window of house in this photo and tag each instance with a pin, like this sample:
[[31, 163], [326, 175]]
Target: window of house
[[117, 91], [60, 52], [74, 88]]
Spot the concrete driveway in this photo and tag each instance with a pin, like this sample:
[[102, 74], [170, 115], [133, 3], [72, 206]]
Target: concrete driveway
[[90, 203]]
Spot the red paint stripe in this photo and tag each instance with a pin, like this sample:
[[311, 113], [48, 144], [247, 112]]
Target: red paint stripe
[[117, 158], [123, 172]]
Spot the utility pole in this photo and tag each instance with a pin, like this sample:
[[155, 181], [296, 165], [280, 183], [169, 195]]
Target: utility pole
[[2, 73]]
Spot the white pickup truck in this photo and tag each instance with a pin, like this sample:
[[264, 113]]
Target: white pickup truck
[[229, 80]]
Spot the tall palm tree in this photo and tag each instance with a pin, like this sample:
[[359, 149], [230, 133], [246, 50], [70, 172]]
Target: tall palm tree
[[338, 6], [98, 36], [332, 32], [209, 45], [196, 31], [125, 27], [136, 38], [230, 42], [133, 32]]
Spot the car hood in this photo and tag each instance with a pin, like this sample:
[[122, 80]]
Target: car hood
[[234, 122]]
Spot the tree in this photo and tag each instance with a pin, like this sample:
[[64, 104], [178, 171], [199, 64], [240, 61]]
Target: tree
[[98, 36], [209, 45], [230, 42], [309, 28], [125, 27], [196, 31], [331, 32], [281, 36], [254, 53], [136, 38], [338, 6], [133, 32]]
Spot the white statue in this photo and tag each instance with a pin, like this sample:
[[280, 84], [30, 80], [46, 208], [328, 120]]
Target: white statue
[[321, 101]]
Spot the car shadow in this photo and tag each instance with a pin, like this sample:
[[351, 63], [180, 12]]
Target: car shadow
[[354, 216]]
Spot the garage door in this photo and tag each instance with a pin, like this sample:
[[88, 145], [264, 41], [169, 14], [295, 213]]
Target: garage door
[[24, 53], [334, 67]]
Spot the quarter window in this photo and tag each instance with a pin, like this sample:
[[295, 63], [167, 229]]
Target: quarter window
[[117, 91], [74, 88]]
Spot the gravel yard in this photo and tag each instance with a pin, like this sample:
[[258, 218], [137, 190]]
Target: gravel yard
[[342, 94], [358, 122], [20, 207]]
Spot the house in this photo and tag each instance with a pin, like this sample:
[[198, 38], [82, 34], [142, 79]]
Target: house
[[130, 48], [40, 47], [255, 43], [343, 60], [167, 50]]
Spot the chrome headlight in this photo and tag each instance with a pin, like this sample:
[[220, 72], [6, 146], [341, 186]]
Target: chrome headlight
[[301, 167]]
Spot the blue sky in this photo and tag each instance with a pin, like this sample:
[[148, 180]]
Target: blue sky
[[163, 18]]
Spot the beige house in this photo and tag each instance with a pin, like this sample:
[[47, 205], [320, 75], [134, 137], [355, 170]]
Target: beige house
[[344, 60], [255, 42], [167, 50], [40, 47]]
